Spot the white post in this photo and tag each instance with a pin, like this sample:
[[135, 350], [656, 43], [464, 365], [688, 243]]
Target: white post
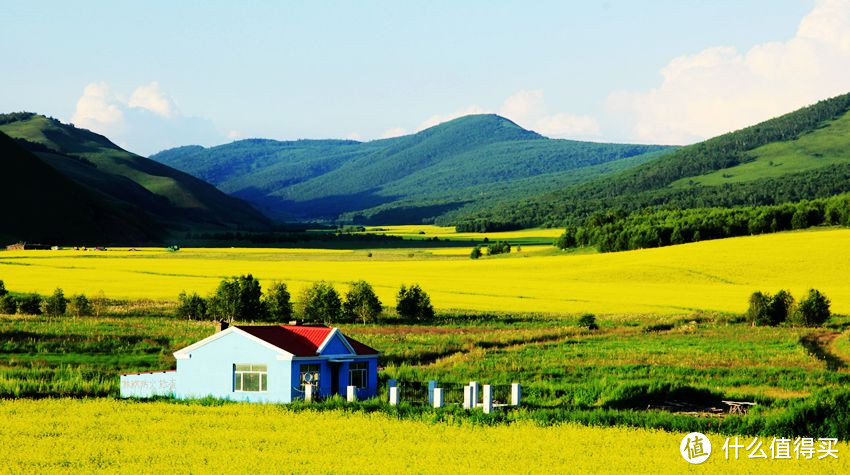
[[438, 397], [516, 394], [473, 394], [488, 399], [394, 396], [431, 386], [352, 393], [467, 397], [308, 393]]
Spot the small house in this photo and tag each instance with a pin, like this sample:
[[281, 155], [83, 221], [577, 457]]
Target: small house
[[271, 363]]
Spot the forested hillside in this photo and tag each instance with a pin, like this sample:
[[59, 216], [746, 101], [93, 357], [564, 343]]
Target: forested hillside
[[469, 163], [799, 156], [167, 199]]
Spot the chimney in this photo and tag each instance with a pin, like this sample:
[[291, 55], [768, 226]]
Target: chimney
[[221, 325]]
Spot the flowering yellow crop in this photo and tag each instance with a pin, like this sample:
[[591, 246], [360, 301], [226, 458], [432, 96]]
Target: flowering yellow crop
[[103, 435], [448, 232], [709, 275]]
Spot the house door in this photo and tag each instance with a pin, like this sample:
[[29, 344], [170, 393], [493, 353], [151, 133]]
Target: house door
[[334, 378]]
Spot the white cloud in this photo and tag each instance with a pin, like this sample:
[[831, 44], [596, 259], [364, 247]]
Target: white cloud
[[721, 89], [440, 118], [393, 132], [234, 134], [149, 121], [529, 109], [152, 98]]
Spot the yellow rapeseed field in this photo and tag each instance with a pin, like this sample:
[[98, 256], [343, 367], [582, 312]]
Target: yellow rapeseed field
[[103, 435], [448, 232], [710, 275]]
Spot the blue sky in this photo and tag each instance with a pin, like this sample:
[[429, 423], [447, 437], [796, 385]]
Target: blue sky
[[157, 74]]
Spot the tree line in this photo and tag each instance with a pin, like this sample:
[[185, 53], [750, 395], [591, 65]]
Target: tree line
[[618, 231], [242, 298], [54, 305], [781, 308]]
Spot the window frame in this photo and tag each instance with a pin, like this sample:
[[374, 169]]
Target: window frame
[[259, 369], [305, 368], [362, 370]]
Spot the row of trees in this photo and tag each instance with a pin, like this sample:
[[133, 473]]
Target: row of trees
[[618, 231], [54, 305], [498, 247], [242, 298], [765, 309]]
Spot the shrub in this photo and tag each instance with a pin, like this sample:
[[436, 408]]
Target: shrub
[[413, 303], [278, 303], [476, 252], [8, 304], [361, 303], [29, 304], [56, 304], [99, 303], [237, 297], [812, 310], [499, 247], [321, 303], [191, 307], [80, 306], [588, 320], [3, 290]]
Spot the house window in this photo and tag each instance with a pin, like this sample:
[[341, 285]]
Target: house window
[[357, 375], [250, 377], [309, 375]]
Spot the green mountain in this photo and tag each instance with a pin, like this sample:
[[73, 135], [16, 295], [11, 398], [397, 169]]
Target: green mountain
[[160, 199], [465, 164], [799, 156]]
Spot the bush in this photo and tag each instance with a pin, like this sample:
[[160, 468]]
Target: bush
[[361, 303], [29, 304], [413, 303], [237, 297], [476, 252], [8, 304], [56, 304], [588, 320], [812, 310], [499, 247], [321, 303], [3, 290], [191, 307], [278, 303], [80, 306]]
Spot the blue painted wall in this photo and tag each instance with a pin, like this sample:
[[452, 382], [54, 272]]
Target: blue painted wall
[[209, 371], [335, 347], [160, 383], [326, 374]]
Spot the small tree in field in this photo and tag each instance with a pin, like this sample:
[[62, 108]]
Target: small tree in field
[[361, 303], [99, 303], [80, 306], [321, 303], [588, 320], [29, 304], [191, 307], [56, 304], [413, 303], [476, 252], [759, 308], [237, 297], [812, 310], [8, 304], [278, 303], [3, 290], [780, 307]]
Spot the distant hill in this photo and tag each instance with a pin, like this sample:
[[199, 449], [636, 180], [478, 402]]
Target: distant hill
[[799, 156], [465, 164], [159, 199]]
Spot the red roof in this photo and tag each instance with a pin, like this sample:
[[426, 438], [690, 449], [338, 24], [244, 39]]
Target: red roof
[[300, 340]]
